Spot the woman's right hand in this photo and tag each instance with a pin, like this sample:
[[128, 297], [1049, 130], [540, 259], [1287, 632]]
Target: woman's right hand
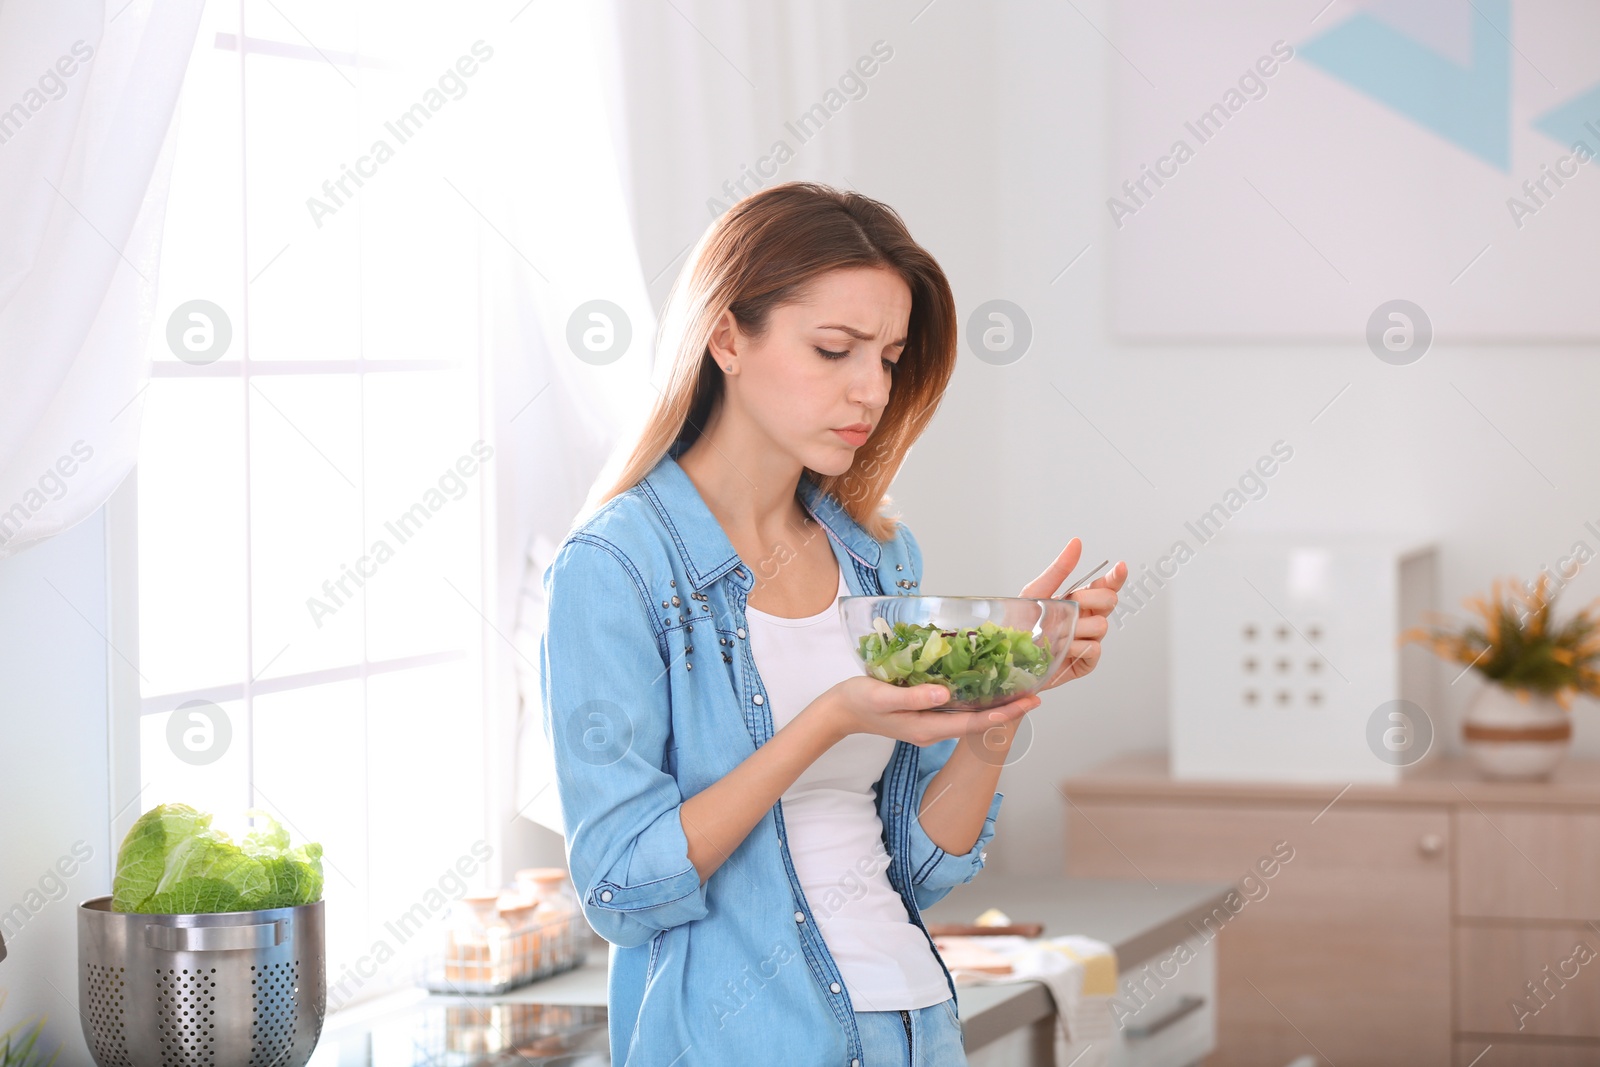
[[864, 705]]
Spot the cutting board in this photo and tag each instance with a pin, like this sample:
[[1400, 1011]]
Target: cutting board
[[970, 954]]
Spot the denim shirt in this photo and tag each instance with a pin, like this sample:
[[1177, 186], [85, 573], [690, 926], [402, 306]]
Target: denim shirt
[[650, 694]]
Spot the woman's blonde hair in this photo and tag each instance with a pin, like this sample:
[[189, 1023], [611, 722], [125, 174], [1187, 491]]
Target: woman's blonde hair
[[765, 251]]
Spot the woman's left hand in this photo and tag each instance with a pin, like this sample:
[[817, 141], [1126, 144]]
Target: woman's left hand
[[1096, 601]]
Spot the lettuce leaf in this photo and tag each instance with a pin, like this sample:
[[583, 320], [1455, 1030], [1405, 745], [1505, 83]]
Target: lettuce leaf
[[173, 862], [975, 663]]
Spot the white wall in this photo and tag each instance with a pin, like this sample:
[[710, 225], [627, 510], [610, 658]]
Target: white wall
[[1401, 448], [988, 131], [54, 774]]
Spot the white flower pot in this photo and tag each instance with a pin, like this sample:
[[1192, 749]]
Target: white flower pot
[[1516, 741]]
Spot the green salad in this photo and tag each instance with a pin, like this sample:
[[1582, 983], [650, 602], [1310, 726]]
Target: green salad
[[173, 862], [975, 663]]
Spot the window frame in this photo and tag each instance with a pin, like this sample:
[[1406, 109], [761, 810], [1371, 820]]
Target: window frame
[[494, 682]]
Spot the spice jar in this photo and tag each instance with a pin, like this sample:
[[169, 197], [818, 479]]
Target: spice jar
[[519, 912], [558, 916], [475, 944], [553, 889]]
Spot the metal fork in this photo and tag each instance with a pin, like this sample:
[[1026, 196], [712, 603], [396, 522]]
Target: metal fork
[[1085, 580]]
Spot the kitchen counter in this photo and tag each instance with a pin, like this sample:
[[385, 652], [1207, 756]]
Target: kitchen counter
[[1138, 919], [1145, 776]]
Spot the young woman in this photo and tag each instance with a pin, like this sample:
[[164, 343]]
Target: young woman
[[752, 822]]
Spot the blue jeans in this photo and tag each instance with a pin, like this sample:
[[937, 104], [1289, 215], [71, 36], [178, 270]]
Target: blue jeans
[[920, 1037]]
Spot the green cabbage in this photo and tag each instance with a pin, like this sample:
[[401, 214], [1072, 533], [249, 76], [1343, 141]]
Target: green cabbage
[[174, 863], [976, 663]]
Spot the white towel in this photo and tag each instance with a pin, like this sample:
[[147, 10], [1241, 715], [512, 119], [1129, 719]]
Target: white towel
[[1079, 972]]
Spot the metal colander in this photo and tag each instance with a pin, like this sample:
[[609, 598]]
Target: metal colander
[[232, 989]]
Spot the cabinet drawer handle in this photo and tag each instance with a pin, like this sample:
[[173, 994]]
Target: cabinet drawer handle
[[1430, 845], [1185, 1007]]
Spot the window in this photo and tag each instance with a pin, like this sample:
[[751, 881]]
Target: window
[[315, 493]]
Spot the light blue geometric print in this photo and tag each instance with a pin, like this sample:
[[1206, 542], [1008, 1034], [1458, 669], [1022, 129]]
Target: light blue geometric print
[[1468, 106], [1576, 120]]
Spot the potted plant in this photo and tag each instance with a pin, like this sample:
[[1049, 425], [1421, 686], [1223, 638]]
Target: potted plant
[[18, 1044], [1518, 726]]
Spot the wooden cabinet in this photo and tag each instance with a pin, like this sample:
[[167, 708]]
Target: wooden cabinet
[[1375, 924], [1485, 1054], [1523, 864], [1527, 964], [1494, 965]]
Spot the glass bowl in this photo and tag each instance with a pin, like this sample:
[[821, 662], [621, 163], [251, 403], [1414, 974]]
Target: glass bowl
[[889, 635]]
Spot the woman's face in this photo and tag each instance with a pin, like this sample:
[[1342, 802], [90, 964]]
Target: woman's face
[[825, 364]]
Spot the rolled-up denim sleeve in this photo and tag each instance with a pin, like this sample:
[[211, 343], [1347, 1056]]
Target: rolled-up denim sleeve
[[607, 713], [934, 872]]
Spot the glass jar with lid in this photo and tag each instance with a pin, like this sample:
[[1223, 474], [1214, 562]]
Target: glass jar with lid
[[559, 916], [549, 887], [476, 942]]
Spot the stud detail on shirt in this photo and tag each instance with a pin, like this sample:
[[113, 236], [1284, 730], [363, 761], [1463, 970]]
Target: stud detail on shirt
[[799, 916], [605, 894], [759, 699], [834, 988]]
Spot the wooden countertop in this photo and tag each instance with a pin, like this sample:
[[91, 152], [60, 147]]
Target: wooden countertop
[[1147, 775]]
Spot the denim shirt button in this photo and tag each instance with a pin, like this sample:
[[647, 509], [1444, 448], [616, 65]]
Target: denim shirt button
[[834, 988], [799, 916], [740, 631], [758, 699], [855, 1063], [897, 809], [605, 894]]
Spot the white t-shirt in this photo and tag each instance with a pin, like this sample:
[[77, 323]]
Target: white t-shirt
[[831, 820]]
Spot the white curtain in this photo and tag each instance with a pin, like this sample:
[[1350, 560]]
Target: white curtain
[[87, 95], [686, 97], [561, 416], [707, 89]]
